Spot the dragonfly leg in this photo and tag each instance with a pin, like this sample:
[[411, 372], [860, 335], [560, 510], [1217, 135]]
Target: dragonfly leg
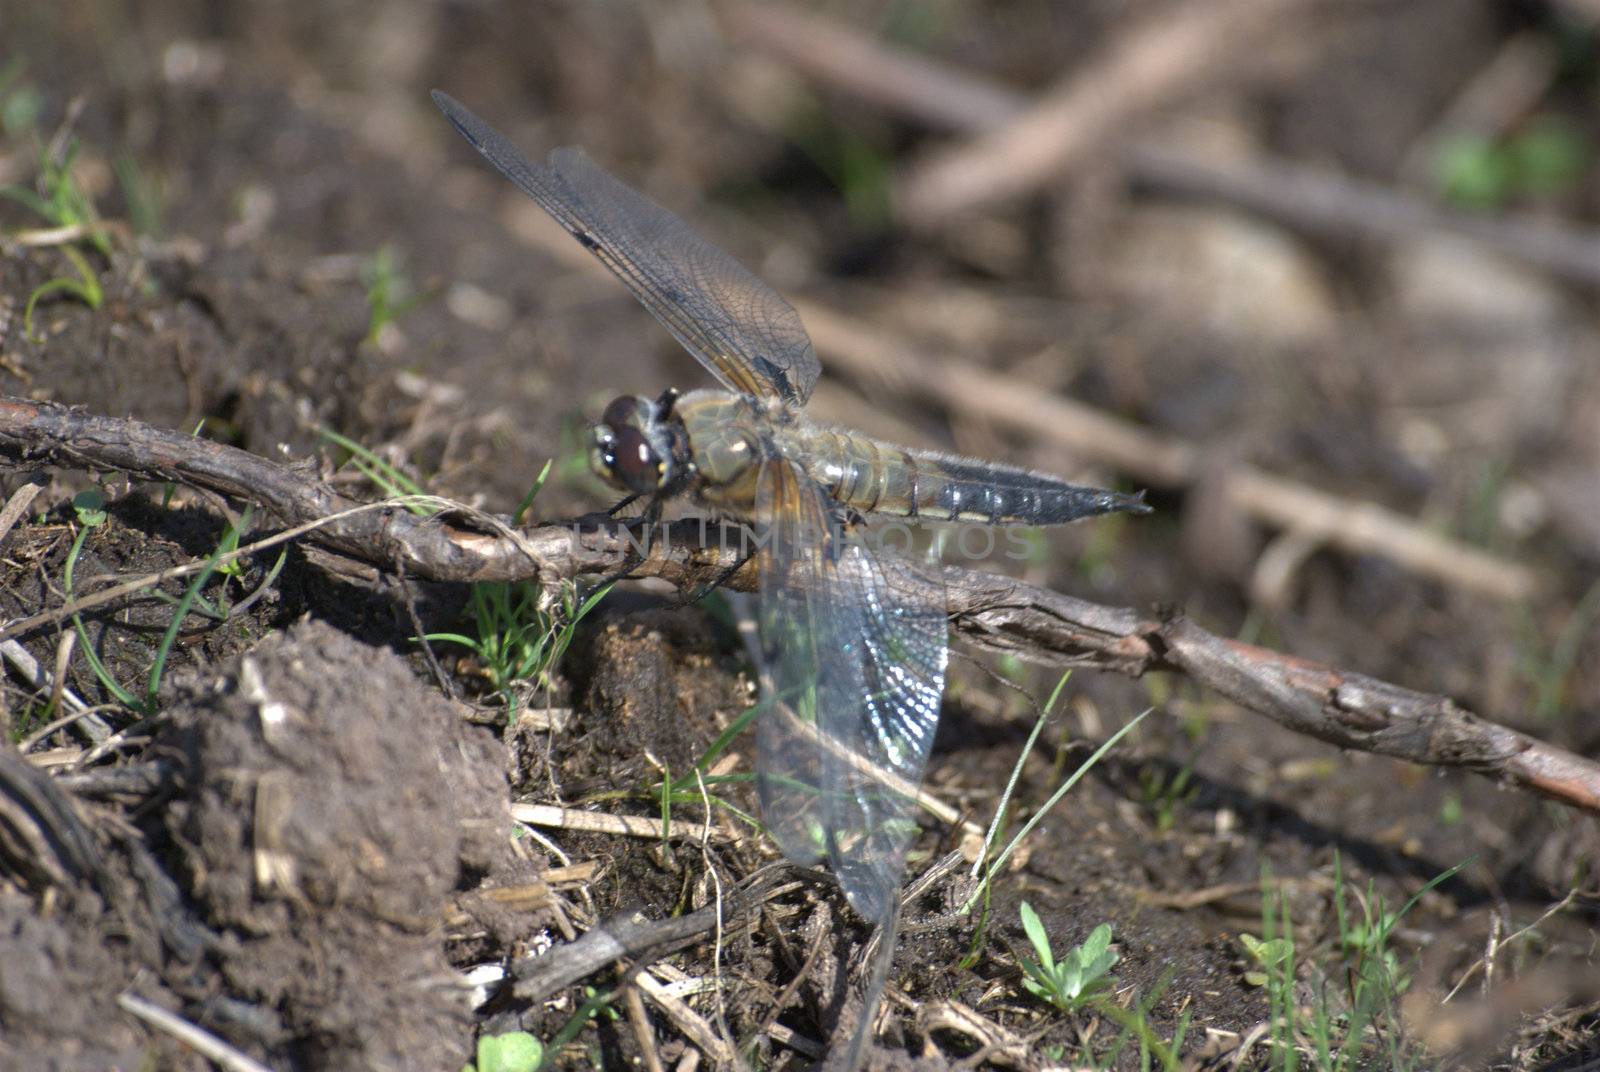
[[723, 576], [623, 505], [639, 534]]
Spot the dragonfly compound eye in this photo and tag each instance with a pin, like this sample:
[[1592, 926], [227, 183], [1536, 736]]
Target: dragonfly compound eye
[[626, 410], [634, 460]]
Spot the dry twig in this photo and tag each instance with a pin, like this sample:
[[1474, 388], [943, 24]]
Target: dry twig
[[1311, 199], [597, 822], [1163, 57], [692, 1024], [196, 1038], [635, 938], [997, 613]]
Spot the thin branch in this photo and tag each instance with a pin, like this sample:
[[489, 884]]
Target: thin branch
[[1343, 708], [196, 1038], [1164, 57], [599, 822], [1324, 202], [692, 1024], [634, 937], [943, 97]]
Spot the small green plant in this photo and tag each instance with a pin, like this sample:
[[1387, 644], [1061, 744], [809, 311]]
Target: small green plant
[[63, 203], [230, 539], [1135, 1024], [59, 199], [514, 1051], [1270, 955], [521, 633], [1274, 955], [89, 507], [1079, 977], [1548, 155], [1352, 1019], [596, 1004], [990, 862], [85, 287], [1166, 794], [24, 722], [695, 786], [389, 293]]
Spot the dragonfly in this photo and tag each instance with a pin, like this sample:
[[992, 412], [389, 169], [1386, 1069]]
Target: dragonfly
[[853, 640]]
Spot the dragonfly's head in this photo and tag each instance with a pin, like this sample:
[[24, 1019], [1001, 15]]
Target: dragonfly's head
[[632, 447]]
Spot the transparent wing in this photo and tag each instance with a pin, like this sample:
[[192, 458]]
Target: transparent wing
[[854, 651], [741, 329]]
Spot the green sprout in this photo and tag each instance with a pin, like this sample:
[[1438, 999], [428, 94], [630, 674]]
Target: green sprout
[[1079, 977], [390, 295], [1547, 156], [514, 1051], [1344, 1021], [89, 507], [520, 633], [1270, 955], [1166, 795], [62, 203], [86, 288]]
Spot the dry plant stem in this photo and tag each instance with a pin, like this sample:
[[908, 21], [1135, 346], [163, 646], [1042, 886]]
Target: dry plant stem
[[1343, 708], [1317, 200], [692, 1024], [596, 822], [635, 938], [996, 613], [34, 434], [932, 94], [1165, 56], [196, 1038], [46, 840], [947, 98], [95, 727], [642, 1033], [16, 506]]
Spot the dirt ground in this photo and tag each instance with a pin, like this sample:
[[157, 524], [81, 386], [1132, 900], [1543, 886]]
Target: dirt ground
[[303, 846]]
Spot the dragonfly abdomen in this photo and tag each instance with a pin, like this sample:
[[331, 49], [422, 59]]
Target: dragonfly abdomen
[[873, 477]]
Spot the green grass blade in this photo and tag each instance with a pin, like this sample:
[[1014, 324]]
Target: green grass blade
[[122, 695], [1062, 791], [1016, 774], [189, 594], [533, 493]]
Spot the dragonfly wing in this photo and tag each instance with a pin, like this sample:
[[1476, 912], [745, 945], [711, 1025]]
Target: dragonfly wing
[[854, 651], [738, 327]]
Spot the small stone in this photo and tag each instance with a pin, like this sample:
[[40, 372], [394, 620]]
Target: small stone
[[1237, 276], [1455, 281]]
